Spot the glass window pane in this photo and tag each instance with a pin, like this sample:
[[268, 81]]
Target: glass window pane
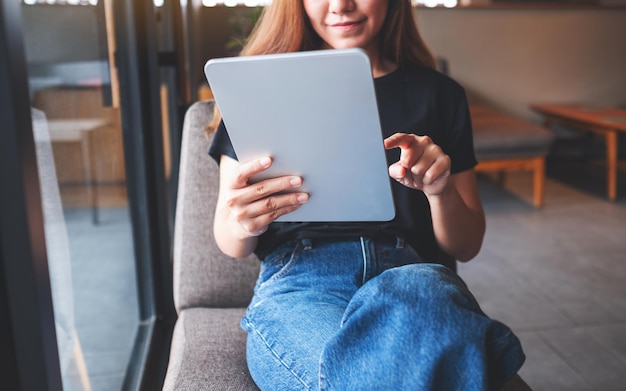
[[81, 164]]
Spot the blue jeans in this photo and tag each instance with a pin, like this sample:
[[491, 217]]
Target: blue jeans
[[366, 315]]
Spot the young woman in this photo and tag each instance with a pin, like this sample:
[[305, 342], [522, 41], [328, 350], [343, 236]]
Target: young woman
[[368, 306]]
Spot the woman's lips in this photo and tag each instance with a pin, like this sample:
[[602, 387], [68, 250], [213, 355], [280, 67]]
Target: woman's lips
[[346, 25]]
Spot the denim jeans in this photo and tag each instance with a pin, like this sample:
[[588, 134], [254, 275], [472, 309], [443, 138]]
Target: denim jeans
[[365, 315]]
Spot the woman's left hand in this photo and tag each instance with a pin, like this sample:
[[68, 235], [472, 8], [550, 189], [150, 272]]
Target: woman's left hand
[[422, 165]]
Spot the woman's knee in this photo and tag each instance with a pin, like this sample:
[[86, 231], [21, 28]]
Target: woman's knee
[[417, 288], [419, 281]]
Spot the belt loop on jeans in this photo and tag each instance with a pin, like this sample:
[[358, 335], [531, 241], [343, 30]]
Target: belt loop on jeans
[[307, 244], [399, 242]]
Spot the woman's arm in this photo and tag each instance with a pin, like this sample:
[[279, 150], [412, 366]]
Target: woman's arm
[[244, 211], [458, 217], [456, 210]]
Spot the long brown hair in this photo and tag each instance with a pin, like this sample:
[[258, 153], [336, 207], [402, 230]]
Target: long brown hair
[[285, 27]]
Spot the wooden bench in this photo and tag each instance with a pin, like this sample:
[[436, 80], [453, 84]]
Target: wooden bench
[[504, 143]]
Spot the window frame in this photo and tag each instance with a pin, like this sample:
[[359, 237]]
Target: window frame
[[137, 64], [28, 337]]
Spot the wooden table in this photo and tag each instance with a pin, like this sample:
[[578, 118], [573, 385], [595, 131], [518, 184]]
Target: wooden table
[[79, 130], [606, 121]]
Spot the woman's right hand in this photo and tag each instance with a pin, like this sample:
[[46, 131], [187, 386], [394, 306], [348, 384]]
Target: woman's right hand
[[251, 207]]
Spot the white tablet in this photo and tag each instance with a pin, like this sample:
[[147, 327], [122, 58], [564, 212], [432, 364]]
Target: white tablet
[[316, 114]]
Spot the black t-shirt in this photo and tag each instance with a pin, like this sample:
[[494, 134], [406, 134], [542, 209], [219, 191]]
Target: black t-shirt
[[415, 100]]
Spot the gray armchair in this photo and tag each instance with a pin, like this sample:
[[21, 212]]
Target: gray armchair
[[211, 290]]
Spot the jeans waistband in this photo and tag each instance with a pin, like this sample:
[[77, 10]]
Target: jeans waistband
[[389, 240]]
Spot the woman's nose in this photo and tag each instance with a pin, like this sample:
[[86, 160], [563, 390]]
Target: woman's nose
[[341, 6]]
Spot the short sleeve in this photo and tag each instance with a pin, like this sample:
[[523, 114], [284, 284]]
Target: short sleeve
[[460, 146]]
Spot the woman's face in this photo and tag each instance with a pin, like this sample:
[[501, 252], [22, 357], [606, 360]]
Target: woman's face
[[348, 23]]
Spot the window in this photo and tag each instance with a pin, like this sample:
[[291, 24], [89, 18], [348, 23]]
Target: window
[[93, 188]]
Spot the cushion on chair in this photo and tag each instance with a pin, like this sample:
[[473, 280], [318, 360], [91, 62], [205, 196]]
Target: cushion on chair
[[208, 352], [203, 275]]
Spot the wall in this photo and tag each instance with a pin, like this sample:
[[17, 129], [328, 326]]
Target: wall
[[214, 27], [509, 56], [63, 46], [513, 57], [50, 33]]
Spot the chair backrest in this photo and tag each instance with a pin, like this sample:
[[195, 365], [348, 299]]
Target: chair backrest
[[203, 275]]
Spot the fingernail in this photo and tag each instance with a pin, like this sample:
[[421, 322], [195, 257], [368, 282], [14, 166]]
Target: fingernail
[[265, 162], [302, 198], [295, 181]]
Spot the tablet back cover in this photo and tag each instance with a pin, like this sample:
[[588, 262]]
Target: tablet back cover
[[316, 114]]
